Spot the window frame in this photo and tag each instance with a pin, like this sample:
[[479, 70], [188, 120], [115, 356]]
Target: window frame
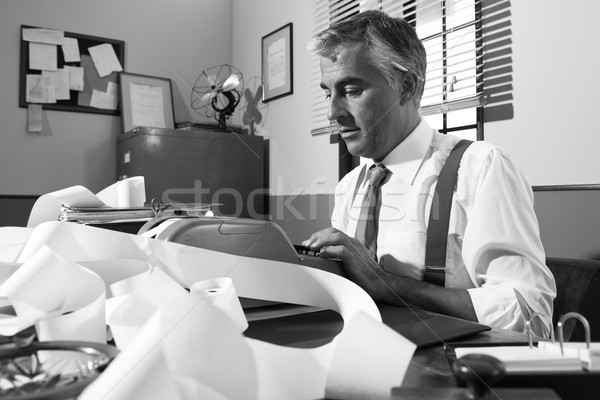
[[478, 125], [348, 162]]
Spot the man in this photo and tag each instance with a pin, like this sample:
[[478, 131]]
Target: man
[[373, 69]]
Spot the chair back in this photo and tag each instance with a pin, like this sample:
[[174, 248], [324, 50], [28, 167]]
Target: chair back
[[578, 290]]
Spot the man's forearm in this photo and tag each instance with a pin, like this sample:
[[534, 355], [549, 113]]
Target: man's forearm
[[401, 291]]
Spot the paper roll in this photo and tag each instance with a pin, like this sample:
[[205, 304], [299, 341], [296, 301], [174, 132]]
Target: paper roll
[[221, 293], [129, 192]]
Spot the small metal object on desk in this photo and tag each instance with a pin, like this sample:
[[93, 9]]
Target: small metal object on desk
[[31, 370], [561, 323], [157, 207]]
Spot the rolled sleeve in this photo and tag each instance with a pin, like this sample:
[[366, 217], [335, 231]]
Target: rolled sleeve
[[502, 249]]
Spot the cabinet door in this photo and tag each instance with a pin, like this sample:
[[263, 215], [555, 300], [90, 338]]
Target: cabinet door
[[199, 167]]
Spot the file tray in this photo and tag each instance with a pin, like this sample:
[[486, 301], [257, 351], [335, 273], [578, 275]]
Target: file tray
[[568, 385], [558, 366]]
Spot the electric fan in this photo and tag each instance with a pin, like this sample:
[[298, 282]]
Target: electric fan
[[217, 92], [254, 110]]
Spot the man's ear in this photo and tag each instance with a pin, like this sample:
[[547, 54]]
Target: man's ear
[[410, 86]]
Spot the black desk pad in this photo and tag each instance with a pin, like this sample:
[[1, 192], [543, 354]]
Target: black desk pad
[[317, 328]]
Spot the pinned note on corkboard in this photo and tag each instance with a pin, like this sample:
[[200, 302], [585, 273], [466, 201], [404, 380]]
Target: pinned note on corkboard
[[69, 71]]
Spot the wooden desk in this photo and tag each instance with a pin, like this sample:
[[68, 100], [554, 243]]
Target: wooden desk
[[312, 329], [429, 369], [429, 366]]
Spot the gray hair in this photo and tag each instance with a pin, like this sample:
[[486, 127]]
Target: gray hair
[[393, 47]]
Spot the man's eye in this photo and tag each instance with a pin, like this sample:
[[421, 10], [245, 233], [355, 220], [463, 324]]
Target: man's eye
[[327, 95], [353, 92]]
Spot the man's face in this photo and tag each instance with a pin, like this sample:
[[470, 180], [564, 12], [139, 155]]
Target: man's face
[[366, 109]]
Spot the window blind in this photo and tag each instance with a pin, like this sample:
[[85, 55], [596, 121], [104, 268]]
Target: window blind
[[453, 34]]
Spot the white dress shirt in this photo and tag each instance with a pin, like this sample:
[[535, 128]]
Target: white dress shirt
[[494, 249]]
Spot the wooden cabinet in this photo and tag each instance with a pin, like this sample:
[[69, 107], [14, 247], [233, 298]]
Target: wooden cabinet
[[198, 166]]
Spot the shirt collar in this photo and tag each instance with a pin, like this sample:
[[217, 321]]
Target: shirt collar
[[405, 159]]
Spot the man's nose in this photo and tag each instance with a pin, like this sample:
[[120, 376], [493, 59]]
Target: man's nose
[[337, 108]]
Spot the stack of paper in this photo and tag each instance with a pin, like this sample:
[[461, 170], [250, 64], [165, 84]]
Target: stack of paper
[[528, 359], [104, 215], [590, 357], [107, 214], [120, 202], [53, 206]]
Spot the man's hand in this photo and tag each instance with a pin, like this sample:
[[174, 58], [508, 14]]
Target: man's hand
[[387, 287], [361, 267]]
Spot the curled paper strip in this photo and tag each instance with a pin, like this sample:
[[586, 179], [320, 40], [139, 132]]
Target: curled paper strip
[[182, 346], [130, 192], [12, 240], [48, 206], [188, 349], [64, 300]]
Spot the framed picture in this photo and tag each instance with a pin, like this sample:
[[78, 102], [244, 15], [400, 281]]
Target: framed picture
[[277, 65], [146, 101]]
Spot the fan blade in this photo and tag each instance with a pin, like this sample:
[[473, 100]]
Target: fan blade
[[231, 83], [222, 101], [258, 95], [207, 97]]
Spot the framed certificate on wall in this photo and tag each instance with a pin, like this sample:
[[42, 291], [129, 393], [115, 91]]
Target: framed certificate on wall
[[146, 101], [277, 66]]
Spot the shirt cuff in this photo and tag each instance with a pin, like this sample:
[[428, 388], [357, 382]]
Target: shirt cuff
[[497, 306]]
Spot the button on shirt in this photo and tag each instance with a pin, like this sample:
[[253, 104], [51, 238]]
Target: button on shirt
[[494, 249]]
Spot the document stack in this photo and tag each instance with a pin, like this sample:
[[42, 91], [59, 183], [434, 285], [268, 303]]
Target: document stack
[[101, 215], [570, 369], [546, 356], [124, 201], [528, 359], [107, 215]]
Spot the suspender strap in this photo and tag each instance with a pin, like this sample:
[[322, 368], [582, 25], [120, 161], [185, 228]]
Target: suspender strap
[[439, 217]]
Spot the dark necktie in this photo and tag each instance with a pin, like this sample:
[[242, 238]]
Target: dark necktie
[[366, 228]]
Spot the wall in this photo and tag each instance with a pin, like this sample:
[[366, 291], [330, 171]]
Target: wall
[[569, 222], [554, 85], [551, 133], [303, 169], [174, 39], [300, 164], [554, 132]]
